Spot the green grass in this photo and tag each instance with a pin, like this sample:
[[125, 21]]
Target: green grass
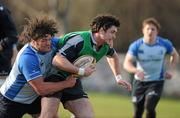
[[117, 106]]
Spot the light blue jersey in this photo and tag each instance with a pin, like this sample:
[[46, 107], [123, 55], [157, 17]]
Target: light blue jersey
[[29, 65], [150, 58]]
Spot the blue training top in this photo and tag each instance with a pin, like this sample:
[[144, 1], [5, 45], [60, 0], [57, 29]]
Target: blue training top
[[29, 65], [150, 58]]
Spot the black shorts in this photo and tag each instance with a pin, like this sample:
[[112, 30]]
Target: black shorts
[[142, 89], [10, 109], [73, 93]]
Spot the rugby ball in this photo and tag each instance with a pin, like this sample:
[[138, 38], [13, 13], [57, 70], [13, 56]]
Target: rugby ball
[[84, 61]]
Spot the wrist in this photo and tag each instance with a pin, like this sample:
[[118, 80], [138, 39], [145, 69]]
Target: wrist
[[118, 77], [81, 71]]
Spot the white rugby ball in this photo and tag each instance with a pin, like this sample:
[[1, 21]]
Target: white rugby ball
[[84, 61]]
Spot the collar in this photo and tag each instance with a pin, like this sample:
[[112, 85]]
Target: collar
[[156, 41], [93, 40]]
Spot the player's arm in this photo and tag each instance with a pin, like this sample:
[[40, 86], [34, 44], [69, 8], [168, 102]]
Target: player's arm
[[33, 75], [129, 64], [114, 64], [45, 88], [174, 57], [68, 52], [62, 63], [131, 58]]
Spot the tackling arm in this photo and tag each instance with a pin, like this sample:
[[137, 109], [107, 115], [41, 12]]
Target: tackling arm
[[43, 88]]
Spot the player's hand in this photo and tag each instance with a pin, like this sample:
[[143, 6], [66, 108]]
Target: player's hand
[[140, 74], [167, 75], [89, 70], [125, 84], [70, 81]]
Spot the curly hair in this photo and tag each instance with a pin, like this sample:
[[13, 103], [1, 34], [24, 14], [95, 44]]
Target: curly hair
[[37, 28], [105, 22]]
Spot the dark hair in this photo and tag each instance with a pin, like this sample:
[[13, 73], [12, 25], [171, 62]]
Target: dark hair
[[153, 21], [105, 22], [38, 27]]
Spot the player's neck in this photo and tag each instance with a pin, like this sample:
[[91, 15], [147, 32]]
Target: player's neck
[[98, 39], [150, 41]]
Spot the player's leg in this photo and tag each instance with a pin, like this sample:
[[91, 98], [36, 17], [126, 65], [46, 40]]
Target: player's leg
[[9, 109], [49, 107], [138, 98], [50, 103], [81, 108], [138, 108], [150, 105], [152, 98], [34, 108], [76, 101]]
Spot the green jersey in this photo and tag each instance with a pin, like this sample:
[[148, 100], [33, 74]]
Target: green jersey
[[87, 48]]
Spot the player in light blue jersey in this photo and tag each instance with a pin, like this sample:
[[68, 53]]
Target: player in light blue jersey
[[146, 60], [22, 89]]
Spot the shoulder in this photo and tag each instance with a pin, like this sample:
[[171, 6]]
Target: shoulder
[[75, 40], [136, 44], [164, 41], [27, 53], [26, 57], [138, 41]]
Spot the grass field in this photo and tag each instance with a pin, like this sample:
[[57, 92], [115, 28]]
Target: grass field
[[117, 106]]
